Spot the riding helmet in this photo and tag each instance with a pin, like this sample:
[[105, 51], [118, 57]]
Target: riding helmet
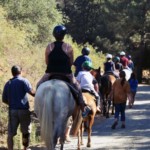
[[109, 56], [117, 59], [129, 57], [59, 31], [122, 53], [87, 65], [85, 50]]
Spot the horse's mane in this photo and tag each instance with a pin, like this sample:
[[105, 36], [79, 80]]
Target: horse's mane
[[103, 80]]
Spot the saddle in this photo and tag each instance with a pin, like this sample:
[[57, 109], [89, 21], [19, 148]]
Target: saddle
[[60, 77], [73, 90], [90, 92], [111, 73]]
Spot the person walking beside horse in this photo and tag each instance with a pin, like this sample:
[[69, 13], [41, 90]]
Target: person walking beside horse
[[121, 90], [15, 96], [133, 85]]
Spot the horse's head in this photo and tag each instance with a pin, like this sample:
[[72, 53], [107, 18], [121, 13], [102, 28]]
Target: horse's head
[[97, 74]]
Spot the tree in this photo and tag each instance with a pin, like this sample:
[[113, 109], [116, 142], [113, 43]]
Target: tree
[[37, 17]]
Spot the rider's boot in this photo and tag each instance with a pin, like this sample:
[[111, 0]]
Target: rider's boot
[[84, 108]]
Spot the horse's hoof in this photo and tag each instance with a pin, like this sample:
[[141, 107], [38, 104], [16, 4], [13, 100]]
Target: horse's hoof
[[107, 116], [88, 145]]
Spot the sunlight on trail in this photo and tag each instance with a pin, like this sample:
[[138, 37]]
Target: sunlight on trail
[[143, 92], [142, 102]]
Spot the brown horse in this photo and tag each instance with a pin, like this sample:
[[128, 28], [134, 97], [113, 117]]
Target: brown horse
[[77, 127], [105, 86]]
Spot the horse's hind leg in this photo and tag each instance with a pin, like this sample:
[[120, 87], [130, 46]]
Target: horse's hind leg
[[62, 146], [91, 121], [104, 107], [81, 134], [62, 140], [108, 108]]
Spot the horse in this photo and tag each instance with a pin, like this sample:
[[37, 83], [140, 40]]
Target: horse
[[105, 87], [89, 100], [128, 73], [54, 104]]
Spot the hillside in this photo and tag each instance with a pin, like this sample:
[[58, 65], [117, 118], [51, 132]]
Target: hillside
[[16, 50]]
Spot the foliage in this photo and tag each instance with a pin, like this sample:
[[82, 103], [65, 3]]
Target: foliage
[[35, 17], [110, 25], [15, 49], [97, 58]]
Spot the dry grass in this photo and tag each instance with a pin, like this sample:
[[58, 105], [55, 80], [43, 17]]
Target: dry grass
[[14, 50]]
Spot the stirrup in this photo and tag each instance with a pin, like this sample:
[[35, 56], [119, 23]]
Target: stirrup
[[86, 111]]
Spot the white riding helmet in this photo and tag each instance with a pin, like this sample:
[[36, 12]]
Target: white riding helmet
[[109, 56], [122, 53]]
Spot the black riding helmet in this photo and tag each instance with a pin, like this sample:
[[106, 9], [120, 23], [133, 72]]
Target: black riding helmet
[[86, 51], [59, 32]]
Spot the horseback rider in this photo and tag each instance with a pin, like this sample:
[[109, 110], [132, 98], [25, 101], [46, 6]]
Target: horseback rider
[[130, 62], [124, 60], [118, 66], [80, 59], [59, 59], [109, 66], [87, 82]]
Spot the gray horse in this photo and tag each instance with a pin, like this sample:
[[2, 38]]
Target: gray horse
[[54, 104]]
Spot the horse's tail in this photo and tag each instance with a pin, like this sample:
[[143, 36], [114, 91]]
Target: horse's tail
[[47, 118]]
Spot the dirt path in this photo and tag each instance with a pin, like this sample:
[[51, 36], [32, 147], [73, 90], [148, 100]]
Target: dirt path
[[136, 136]]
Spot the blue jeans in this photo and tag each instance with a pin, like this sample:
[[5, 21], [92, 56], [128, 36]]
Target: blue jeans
[[120, 108]]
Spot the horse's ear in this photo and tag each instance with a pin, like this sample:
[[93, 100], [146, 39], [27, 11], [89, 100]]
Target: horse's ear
[[99, 69]]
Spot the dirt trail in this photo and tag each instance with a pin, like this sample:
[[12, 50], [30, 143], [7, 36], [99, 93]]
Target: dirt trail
[[136, 136]]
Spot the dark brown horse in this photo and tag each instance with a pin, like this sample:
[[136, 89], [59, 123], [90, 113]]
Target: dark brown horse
[[105, 86]]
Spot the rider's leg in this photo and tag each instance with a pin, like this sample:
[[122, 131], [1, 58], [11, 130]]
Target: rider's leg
[[98, 103], [97, 99], [84, 108], [43, 79]]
